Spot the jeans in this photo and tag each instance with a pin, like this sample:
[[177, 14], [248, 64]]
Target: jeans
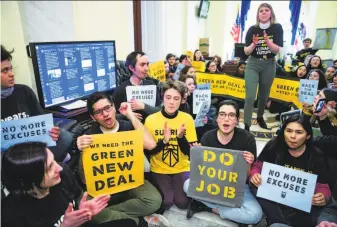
[[249, 213]]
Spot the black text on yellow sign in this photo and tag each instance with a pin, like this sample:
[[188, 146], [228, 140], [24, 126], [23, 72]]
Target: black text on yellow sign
[[114, 163], [157, 70]]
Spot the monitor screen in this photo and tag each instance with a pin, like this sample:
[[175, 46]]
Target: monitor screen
[[68, 71], [204, 8]]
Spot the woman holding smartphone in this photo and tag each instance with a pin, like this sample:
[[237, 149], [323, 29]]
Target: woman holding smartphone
[[263, 42]]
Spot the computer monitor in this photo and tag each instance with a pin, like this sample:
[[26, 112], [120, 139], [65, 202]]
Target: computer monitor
[[239, 51], [68, 71]]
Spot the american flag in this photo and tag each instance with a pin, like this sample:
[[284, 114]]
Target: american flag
[[236, 28]]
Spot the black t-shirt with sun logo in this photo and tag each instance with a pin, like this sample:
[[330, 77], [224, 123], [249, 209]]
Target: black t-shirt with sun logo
[[171, 159], [274, 32]]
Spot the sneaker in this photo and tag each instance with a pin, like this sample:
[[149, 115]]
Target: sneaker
[[156, 220], [262, 123], [195, 207]]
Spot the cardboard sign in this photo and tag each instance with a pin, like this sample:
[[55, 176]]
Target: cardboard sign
[[200, 96], [204, 46], [222, 84], [189, 54], [308, 91], [203, 110], [325, 38], [145, 93], [285, 90], [217, 176], [177, 73], [199, 66], [204, 86], [287, 186], [157, 70], [114, 162], [31, 129]]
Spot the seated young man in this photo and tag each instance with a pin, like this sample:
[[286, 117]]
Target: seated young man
[[137, 63], [228, 136], [19, 101], [43, 193], [137, 202], [293, 148]]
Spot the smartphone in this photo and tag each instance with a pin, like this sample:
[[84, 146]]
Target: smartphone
[[320, 105]]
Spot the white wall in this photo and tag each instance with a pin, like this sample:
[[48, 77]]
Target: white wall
[[326, 18], [171, 27], [106, 20], [12, 37]]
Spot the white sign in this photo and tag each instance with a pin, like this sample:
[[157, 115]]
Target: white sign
[[200, 96], [287, 186], [31, 129], [145, 93], [203, 110]]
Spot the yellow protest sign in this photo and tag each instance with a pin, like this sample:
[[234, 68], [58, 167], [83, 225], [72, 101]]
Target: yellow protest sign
[[286, 90], [189, 54], [114, 162], [157, 70], [199, 66], [223, 84]]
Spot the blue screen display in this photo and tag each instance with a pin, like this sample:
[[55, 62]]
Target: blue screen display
[[71, 71]]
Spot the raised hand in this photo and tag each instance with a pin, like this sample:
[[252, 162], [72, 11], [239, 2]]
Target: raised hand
[[84, 141], [167, 133], [181, 131], [136, 104], [256, 39], [125, 109], [265, 37], [75, 218], [94, 205]]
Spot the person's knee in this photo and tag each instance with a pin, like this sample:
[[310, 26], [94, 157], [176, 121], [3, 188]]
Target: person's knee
[[153, 200], [168, 202], [186, 185], [243, 215], [181, 203]]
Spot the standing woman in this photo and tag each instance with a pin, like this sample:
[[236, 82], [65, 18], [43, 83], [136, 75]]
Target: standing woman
[[263, 42]]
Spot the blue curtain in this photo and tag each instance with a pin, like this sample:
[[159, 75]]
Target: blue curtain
[[245, 6], [295, 9]]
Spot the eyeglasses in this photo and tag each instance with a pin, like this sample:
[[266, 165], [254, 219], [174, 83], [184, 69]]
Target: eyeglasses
[[99, 112], [223, 115]]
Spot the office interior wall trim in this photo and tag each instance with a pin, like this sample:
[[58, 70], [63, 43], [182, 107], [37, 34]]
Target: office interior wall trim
[[137, 23], [12, 36]]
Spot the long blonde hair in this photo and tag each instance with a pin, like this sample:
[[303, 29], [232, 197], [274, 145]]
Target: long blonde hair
[[272, 18]]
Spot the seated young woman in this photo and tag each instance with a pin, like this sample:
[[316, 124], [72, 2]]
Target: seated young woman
[[228, 136], [293, 148], [43, 193], [173, 131]]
